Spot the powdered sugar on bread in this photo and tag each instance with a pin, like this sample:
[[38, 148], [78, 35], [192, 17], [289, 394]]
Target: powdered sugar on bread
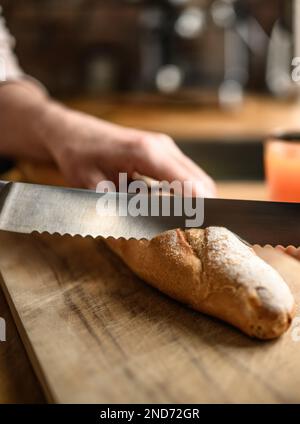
[[239, 262], [214, 272]]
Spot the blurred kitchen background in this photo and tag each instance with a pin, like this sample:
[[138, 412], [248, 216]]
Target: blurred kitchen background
[[214, 74]]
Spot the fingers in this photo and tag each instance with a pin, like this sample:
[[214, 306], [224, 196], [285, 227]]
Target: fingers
[[84, 176], [189, 164], [100, 151], [158, 157], [172, 170], [198, 174], [93, 177]]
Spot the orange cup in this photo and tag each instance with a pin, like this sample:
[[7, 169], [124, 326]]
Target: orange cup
[[282, 167]]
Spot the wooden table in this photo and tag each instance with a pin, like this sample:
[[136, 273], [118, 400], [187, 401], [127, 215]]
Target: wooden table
[[18, 382], [96, 333], [254, 120], [257, 117]]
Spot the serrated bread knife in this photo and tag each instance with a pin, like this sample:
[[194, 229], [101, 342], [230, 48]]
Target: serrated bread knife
[[27, 208]]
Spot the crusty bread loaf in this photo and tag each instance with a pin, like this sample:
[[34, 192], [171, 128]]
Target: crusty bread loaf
[[214, 272]]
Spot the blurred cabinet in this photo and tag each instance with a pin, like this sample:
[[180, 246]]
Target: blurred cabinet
[[95, 46]]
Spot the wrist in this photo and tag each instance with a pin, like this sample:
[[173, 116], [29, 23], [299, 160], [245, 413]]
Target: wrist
[[53, 126]]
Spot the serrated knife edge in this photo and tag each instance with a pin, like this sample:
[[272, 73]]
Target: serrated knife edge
[[30, 208]]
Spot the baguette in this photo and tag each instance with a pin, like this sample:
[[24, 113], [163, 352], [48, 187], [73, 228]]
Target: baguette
[[214, 272]]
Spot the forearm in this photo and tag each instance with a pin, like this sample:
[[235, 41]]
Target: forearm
[[86, 149], [24, 120]]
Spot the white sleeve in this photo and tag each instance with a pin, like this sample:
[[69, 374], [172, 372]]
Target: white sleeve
[[9, 66]]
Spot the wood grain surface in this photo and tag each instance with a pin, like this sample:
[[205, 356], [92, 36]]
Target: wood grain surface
[[96, 333], [18, 382], [254, 119]]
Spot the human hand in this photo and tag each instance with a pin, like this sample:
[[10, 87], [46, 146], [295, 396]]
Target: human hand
[[89, 150]]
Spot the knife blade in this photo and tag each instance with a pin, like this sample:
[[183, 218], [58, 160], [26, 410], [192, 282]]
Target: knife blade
[[27, 208]]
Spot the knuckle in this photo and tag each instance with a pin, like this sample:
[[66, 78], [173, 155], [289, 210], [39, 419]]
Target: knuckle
[[143, 144], [166, 138]]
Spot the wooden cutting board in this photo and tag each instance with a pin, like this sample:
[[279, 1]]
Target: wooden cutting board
[[96, 333]]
